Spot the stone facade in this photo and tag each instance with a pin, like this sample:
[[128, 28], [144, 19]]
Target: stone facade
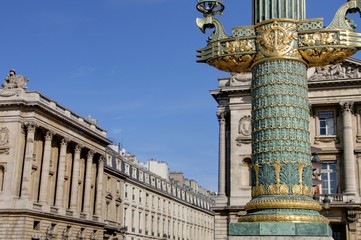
[[153, 206], [60, 179], [335, 108]]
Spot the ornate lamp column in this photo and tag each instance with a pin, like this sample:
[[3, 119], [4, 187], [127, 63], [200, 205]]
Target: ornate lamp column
[[278, 49]]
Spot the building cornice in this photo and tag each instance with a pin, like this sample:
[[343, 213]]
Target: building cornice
[[42, 104]]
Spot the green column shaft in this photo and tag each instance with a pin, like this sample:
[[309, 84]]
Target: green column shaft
[[281, 157], [273, 9]]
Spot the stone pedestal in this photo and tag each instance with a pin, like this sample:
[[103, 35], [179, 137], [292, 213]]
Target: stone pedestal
[[279, 230], [279, 238]]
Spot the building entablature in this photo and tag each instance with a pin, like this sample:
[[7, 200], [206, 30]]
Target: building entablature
[[33, 99]]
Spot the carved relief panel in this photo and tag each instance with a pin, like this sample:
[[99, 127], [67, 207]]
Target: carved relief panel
[[244, 131], [4, 140]]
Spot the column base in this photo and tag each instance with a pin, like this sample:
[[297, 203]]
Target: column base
[[296, 230], [221, 201]]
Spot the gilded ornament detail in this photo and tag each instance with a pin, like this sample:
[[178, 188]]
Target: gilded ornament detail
[[318, 39], [277, 38], [283, 204]]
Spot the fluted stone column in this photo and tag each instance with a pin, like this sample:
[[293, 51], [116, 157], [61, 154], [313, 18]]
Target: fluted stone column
[[348, 149], [88, 177], [75, 179], [28, 161], [222, 154], [99, 193], [59, 198], [45, 168]]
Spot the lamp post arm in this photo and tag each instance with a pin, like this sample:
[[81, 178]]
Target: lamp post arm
[[212, 22]]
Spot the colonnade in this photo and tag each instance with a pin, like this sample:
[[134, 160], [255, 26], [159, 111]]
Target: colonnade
[[77, 193]]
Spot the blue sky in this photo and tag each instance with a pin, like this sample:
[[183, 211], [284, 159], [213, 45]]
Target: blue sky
[[131, 65]]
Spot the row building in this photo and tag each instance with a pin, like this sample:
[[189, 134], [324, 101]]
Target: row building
[[61, 178]]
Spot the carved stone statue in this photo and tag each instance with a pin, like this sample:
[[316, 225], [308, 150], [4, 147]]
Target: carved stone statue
[[13, 81]]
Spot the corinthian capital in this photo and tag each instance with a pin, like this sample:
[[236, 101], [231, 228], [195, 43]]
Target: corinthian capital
[[78, 148], [346, 107], [101, 159], [49, 135], [65, 141], [221, 116], [90, 154], [30, 126]]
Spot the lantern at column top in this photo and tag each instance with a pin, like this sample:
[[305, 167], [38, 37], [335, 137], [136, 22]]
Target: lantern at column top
[[210, 7]]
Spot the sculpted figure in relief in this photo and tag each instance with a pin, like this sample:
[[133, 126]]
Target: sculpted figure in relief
[[240, 78], [336, 71]]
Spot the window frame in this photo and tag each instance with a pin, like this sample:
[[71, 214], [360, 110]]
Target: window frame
[[327, 127]]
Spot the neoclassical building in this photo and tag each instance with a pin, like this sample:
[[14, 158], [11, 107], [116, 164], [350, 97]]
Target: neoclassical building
[[60, 178], [335, 134], [153, 206]]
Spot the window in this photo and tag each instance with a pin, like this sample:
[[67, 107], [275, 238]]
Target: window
[[146, 223], [109, 161], [109, 184], [132, 221], [134, 172], [125, 216], [127, 169], [119, 165], [146, 178], [117, 213], [126, 191], [118, 187], [141, 176], [329, 177], [327, 122]]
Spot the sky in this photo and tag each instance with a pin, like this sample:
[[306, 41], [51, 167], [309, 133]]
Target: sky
[[131, 65]]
